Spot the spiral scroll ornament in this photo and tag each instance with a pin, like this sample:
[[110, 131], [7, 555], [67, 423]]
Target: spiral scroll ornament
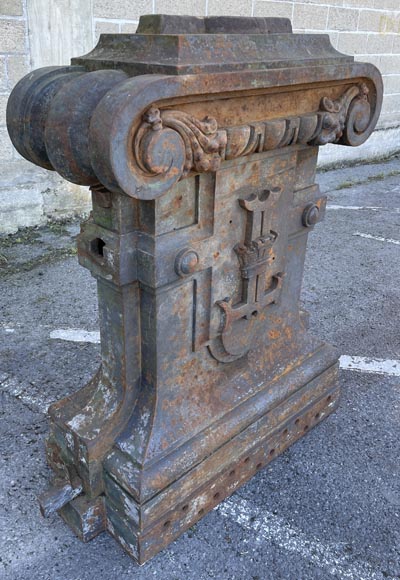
[[346, 119], [202, 143], [358, 122]]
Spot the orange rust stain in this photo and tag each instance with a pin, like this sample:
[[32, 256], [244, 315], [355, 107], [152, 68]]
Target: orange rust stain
[[289, 332], [274, 334]]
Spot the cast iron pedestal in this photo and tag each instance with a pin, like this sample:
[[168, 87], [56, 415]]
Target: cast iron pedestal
[[199, 140]]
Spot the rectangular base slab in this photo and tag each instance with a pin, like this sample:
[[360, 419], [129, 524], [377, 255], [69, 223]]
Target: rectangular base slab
[[144, 530]]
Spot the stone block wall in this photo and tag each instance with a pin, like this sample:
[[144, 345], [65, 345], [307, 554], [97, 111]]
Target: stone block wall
[[36, 33]]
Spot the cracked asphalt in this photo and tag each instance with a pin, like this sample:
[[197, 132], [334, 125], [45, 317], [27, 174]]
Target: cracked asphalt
[[329, 507]]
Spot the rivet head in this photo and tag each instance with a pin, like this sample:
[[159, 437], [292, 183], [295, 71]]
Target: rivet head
[[186, 262], [310, 215]]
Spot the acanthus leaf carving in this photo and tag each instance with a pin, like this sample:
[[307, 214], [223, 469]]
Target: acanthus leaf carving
[[204, 145], [170, 144], [334, 115]]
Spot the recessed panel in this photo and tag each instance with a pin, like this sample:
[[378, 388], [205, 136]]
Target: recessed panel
[[178, 208]]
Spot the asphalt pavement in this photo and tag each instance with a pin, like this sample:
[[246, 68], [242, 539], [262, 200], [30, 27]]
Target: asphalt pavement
[[329, 507]]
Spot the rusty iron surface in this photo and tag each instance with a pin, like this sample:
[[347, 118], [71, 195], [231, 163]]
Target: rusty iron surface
[[199, 140]]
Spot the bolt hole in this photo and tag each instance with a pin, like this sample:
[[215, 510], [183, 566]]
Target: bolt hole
[[305, 427], [167, 524], [230, 221], [231, 473], [201, 512], [259, 465], [97, 246], [297, 421], [185, 508], [254, 314], [329, 399], [217, 495], [317, 416], [285, 432], [272, 452], [247, 460]]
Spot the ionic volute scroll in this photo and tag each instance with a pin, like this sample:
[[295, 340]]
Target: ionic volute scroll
[[342, 120], [203, 144]]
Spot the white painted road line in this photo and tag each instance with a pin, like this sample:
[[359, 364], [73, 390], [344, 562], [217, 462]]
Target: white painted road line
[[75, 335], [377, 238], [28, 393], [364, 364], [363, 207], [353, 207], [271, 528]]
